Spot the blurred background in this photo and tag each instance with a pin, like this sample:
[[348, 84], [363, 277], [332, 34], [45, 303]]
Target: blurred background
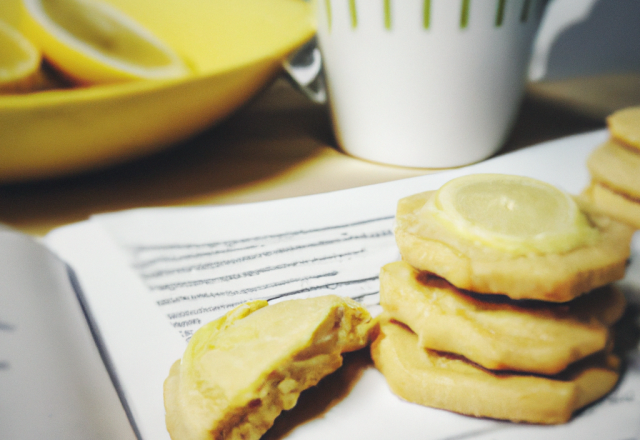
[[587, 37], [587, 55], [585, 64]]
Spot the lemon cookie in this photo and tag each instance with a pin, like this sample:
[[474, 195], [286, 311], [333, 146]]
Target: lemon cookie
[[527, 336], [441, 381], [624, 126], [240, 371], [616, 166], [620, 206], [615, 186], [511, 235]]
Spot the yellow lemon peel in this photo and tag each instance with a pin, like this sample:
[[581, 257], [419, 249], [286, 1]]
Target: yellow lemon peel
[[19, 60], [516, 214], [93, 42]]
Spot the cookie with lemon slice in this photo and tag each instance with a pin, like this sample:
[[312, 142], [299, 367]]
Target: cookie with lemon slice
[[92, 42], [450, 382], [239, 372], [511, 235]]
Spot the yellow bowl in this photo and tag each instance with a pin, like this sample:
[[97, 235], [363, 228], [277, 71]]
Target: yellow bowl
[[235, 47]]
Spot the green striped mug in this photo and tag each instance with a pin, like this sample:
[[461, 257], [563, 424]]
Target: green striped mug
[[425, 83]]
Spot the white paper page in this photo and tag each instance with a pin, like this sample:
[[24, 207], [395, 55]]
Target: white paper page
[[53, 384], [171, 270], [139, 341]]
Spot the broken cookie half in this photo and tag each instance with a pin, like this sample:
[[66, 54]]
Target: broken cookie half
[[239, 372]]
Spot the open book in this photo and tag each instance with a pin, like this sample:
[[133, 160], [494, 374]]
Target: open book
[[93, 315]]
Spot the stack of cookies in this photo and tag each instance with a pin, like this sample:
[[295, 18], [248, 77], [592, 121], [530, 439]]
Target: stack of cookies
[[615, 168], [502, 306]]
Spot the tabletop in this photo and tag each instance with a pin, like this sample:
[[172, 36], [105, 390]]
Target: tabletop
[[281, 145]]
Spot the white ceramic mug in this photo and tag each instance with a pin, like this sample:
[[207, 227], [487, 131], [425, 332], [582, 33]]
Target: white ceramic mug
[[425, 83]]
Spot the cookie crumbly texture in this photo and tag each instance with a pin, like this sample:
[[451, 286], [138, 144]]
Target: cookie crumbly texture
[[499, 335], [427, 245], [239, 372], [624, 126], [447, 382]]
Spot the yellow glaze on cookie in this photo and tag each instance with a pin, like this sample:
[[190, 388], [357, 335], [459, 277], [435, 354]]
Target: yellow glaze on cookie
[[428, 244], [624, 125], [620, 206], [240, 371], [441, 381], [499, 335], [616, 166], [516, 214]]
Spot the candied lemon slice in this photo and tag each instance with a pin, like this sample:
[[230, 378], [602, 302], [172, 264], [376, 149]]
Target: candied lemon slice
[[92, 42], [19, 59], [512, 213]]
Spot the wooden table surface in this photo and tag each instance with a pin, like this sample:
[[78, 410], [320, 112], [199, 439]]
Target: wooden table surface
[[281, 145]]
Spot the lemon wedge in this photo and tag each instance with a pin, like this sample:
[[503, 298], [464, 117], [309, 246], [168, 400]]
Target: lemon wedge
[[19, 60], [516, 214], [92, 42]]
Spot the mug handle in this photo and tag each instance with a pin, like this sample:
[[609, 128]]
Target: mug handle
[[304, 71]]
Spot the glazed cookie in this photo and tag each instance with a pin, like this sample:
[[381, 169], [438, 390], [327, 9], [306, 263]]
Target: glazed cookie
[[624, 126], [620, 206], [617, 167], [240, 371], [498, 333], [511, 235], [447, 382]]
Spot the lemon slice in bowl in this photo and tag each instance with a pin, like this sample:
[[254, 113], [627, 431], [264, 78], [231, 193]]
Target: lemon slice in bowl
[[516, 214], [19, 60], [93, 42]]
